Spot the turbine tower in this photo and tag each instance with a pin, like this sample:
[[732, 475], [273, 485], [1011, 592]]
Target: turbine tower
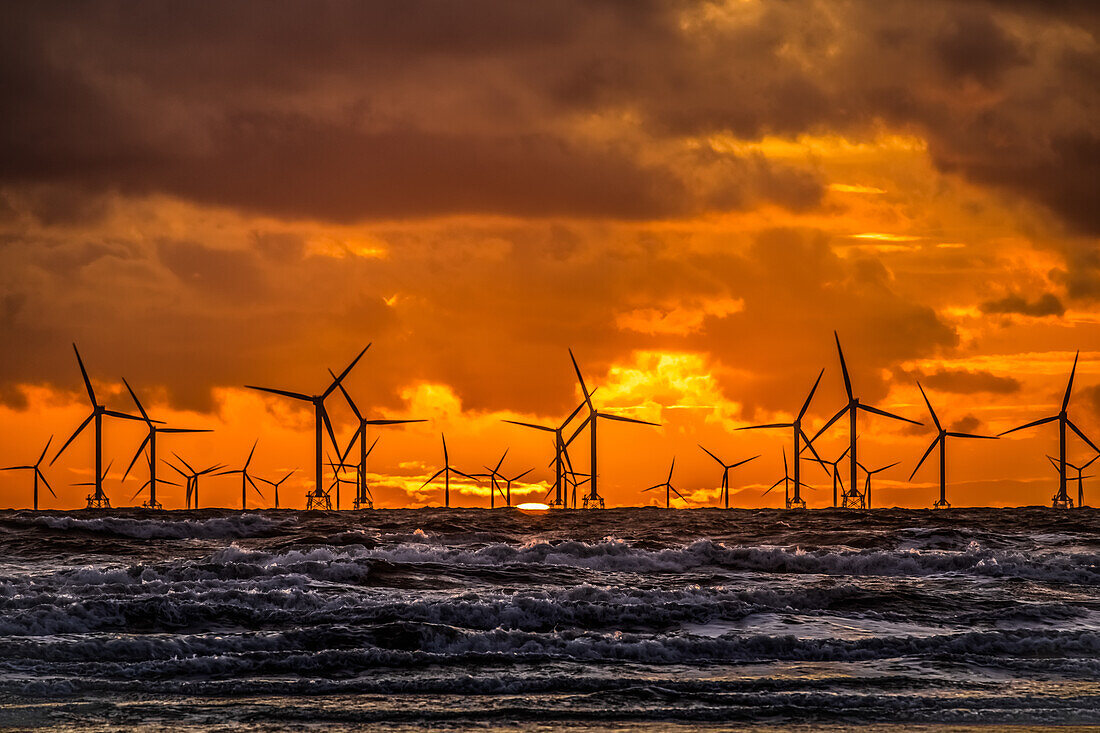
[[852, 410], [151, 441], [363, 497], [593, 499], [796, 502], [446, 472], [97, 500], [1061, 500], [941, 441], [668, 487], [246, 479], [35, 467], [320, 414], [726, 468]]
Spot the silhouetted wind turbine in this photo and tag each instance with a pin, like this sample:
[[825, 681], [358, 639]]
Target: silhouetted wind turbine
[[786, 481], [725, 491], [852, 409], [338, 470], [1061, 500], [276, 484], [320, 414], [151, 441], [867, 485], [941, 441], [561, 497], [834, 469], [1080, 478], [363, 497], [98, 499], [246, 478], [446, 472], [192, 478], [37, 473], [668, 487], [494, 487], [594, 499], [796, 502], [508, 483]]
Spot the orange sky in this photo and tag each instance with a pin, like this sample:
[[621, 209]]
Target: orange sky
[[690, 195]]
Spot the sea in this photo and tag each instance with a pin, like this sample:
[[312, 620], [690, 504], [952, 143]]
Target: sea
[[621, 619]]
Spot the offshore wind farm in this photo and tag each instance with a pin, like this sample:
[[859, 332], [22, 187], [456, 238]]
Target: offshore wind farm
[[588, 365]]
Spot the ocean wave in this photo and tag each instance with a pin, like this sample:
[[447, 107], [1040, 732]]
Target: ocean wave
[[244, 525]]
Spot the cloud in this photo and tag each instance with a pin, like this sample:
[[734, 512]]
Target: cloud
[[967, 424], [1045, 305], [965, 381]]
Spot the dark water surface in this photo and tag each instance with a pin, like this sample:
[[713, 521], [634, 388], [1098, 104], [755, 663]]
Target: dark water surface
[[625, 619]]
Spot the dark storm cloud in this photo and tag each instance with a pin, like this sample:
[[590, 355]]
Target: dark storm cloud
[[349, 111], [1046, 304], [963, 381]]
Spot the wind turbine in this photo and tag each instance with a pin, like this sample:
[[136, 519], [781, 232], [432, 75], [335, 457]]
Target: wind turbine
[[151, 441], [834, 469], [338, 479], [561, 494], [446, 472], [786, 481], [363, 497], [98, 499], [508, 483], [725, 491], [668, 487], [1080, 478], [246, 479], [852, 409], [320, 414], [192, 477], [37, 473], [593, 499], [1061, 500], [276, 484], [867, 485], [941, 441], [796, 502], [493, 475]]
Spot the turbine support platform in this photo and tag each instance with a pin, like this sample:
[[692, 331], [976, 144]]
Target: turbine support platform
[[1061, 502], [593, 502], [796, 504], [941, 504], [98, 502], [152, 505], [318, 500], [362, 503], [853, 500]]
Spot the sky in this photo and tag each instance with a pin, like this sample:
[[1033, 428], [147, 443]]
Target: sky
[[691, 195]]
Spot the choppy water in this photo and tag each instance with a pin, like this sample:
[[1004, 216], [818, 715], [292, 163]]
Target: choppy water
[[638, 619]]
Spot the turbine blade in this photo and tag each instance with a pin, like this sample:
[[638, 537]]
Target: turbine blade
[[927, 453], [971, 435], [806, 404], [844, 368], [809, 444], [884, 413], [1082, 436], [501, 461], [584, 389], [174, 468], [283, 392], [519, 476], [530, 425], [371, 449], [47, 483], [250, 454], [347, 397], [347, 370], [44, 450], [136, 454], [184, 430], [620, 418], [139, 491], [137, 402], [741, 463], [328, 428], [124, 416], [829, 424], [189, 468], [84, 374], [436, 475], [768, 426], [577, 432], [446, 460], [73, 436], [931, 412], [1069, 385], [1032, 424], [723, 465], [393, 422]]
